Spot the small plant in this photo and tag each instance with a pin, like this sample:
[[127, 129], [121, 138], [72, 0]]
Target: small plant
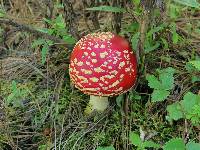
[[142, 145], [16, 95], [106, 148], [188, 108], [161, 85], [57, 28], [178, 144]]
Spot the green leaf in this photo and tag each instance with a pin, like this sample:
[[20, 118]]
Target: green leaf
[[69, 39], [151, 144], [165, 43], [174, 11], [174, 144], [119, 100], [190, 3], [153, 82], [47, 20], [152, 47], [135, 95], [175, 36], [38, 42], [156, 29], [135, 139], [2, 13], [136, 2], [106, 148], [45, 49], [174, 112], [195, 79], [159, 95], [134, 40], [166, 78], [189, 100], [196, 64], [107, 8], [193, 146]]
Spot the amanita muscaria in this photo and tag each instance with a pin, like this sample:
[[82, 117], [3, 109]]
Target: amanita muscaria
[[102, 65]]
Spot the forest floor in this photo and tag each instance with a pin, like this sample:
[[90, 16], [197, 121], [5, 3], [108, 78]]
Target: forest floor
[[41, 109]]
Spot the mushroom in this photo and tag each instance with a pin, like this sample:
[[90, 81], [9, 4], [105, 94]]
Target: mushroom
[[102, 64]]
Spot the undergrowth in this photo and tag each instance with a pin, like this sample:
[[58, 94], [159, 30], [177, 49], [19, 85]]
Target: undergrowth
[[41, 109]]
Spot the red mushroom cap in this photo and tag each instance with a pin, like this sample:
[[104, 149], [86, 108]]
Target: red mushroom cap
[[103, 64]]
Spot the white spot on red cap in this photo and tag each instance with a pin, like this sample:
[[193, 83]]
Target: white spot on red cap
[[85, 53], [127, 69], [122, 75], [105, 63], [89, 48], [118, 53], [114, 84], [114, 72], [109, 67], [102, 46], [87, 63], [94, 79], [86, 71], [125, 51], [93, 54], [80, 63], [121, 64], [98, 69], [94, 60], [103, 55], [96, 46]]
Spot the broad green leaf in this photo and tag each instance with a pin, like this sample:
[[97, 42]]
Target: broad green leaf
[[107, 8], [153, 82], [174, 144], [189, 100], [195, 79], [194, 115], [190, 3], [174, 112], [196, 64], [190, 68], [159, 95], [151, 144], [106, 148], [135, 139], [166, 78], [193, 146]]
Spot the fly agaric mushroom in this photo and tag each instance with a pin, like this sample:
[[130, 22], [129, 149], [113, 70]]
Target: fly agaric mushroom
[[102, 65]]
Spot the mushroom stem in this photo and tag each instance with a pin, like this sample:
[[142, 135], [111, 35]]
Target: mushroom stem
[[98, 103]]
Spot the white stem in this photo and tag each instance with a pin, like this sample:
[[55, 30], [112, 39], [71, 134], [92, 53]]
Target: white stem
[[98, 103]]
